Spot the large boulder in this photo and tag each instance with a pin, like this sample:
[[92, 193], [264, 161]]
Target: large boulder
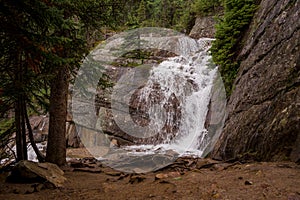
[[28, 171], [264, 109]]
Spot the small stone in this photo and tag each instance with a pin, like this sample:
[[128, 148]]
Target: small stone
[[113, 173], [258, 173], [218, 167], [216, 196], [114, 143], [248, 183], [136, 179], [161, 176], [174, 174], [37, 187]]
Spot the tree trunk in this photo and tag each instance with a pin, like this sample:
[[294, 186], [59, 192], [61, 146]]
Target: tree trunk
[[20, 144], [56, 147], [23, 128], [39, 155]]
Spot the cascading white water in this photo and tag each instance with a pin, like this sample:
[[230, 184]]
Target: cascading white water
[[189, 78]]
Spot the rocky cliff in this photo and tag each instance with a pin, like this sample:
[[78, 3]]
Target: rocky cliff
[[204, 27], [264, 109]]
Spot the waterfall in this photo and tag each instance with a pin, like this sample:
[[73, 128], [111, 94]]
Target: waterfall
[[171, 108], [189, 80]]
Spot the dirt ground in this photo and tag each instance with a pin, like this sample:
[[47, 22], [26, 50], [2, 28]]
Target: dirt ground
[[204, 180]]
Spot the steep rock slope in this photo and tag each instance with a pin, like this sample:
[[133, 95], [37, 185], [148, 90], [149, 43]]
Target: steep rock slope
[[204, 27], [264, 109]]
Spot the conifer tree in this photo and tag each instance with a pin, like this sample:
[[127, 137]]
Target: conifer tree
[[42, 44], [238, 15], [141, 12]]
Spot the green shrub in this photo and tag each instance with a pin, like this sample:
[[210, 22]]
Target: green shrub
[[229, 31]]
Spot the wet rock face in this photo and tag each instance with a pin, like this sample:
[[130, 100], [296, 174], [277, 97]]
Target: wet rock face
[[138, 109], [139, 114], [264, 108]]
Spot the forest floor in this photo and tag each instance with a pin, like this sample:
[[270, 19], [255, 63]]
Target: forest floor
[[186, 179]]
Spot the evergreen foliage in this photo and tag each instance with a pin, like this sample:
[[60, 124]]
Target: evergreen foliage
[[142, 15], [229, 31], [158, 13], [39, 40], [206, 7]]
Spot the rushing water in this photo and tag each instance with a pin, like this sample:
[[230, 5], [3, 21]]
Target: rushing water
[[188, 78]]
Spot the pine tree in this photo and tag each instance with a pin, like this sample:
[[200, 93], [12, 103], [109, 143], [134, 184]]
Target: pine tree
[[141, 12], [42, 44]]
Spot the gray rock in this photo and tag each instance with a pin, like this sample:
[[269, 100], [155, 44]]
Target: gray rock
[[204, 27], [263, 110]]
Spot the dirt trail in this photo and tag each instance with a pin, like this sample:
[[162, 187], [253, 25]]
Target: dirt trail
[[203, 181]]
